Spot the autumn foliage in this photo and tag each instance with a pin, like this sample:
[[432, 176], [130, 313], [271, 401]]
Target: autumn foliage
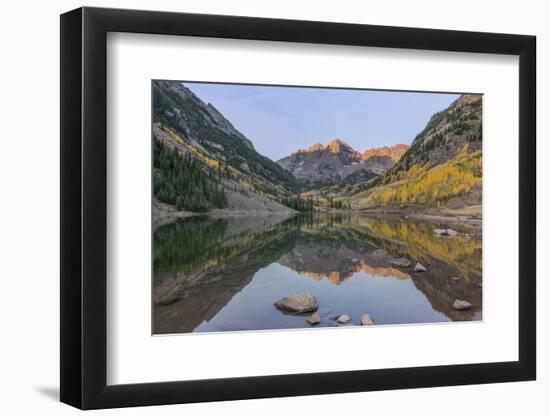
[[423, 184]]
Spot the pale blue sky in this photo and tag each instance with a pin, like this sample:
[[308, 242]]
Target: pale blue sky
[[280, 120]]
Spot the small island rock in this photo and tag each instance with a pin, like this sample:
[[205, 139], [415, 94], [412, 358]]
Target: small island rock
[[366, 320], [419, 267], [461, 305], [301, 303], [314, 319], [343, 318]]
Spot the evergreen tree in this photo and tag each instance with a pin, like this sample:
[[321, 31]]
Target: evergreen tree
[[184, 182]]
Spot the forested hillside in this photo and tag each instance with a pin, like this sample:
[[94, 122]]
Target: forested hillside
[[202, 162], [443, 165], [184, 183]]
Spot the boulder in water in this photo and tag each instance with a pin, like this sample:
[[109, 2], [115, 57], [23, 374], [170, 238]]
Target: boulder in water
[[343, 318], [366, 320], [314, 319], [301, 303], [461, 305], [419, 267]]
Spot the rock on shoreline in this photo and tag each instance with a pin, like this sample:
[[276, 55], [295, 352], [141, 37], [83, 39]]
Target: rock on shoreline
[[445, 233], [400, 262]]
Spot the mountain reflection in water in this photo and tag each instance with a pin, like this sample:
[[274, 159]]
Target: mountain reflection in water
[[225, 274]]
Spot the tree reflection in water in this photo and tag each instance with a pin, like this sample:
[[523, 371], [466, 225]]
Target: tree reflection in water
[[206, 271]]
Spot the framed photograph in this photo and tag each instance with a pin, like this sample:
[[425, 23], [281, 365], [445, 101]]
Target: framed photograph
[[256, 207]]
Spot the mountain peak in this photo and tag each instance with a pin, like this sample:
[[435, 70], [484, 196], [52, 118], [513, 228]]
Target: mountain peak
[[336, 145], [315, 147]]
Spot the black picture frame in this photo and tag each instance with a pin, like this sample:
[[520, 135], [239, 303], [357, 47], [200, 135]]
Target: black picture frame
[[84, 207]]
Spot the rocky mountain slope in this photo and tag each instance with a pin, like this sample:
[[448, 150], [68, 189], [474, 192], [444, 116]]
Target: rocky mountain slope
[[379, 160], [202, 160], [203, 163], [443, 165], [337, 162]]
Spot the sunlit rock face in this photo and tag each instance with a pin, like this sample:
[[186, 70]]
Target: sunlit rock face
[[337, 161]]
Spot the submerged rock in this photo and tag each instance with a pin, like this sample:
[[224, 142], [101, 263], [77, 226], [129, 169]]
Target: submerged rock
[[400, 262], [461, 305], [301, 303], [419, 267], [314, 319], [343, 318], [366, 320]]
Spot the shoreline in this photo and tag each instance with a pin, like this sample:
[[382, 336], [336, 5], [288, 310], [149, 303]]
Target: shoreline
[[163, 216], [446, 219], [163, 213], [468, 216]]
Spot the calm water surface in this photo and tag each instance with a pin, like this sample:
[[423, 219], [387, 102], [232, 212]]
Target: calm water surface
[[225, 274]]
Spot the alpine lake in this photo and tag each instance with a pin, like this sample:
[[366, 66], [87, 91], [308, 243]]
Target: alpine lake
[[225, 274]]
